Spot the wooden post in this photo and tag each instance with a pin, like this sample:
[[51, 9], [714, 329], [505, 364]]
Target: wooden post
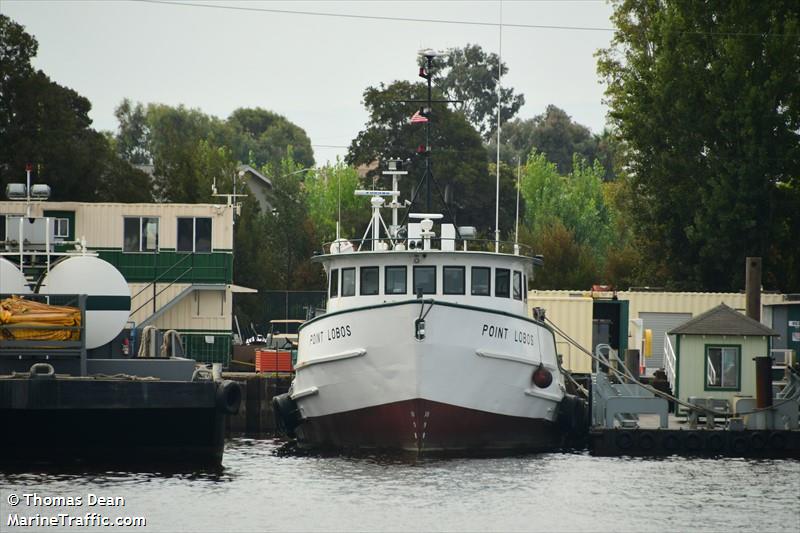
[[753, 288], [632, 362]]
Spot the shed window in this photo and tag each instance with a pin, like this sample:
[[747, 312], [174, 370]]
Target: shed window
[[348, 282], [453, 279], [502, 280], [395, 279], [369, 280], [61, 227], [480, 281], [517, 287], [334, 290], [723, 367], [194, 234], [140, 234], [425, 279]]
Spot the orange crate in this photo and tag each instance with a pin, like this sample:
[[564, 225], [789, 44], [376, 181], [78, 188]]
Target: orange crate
[[274, 361]]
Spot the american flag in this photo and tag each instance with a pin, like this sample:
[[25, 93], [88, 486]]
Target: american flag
[[418, 118]]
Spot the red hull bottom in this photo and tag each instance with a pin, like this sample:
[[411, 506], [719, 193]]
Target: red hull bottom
[[427, 427]]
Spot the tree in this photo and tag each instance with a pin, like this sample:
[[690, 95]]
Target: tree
[[329, 191], [553, 133], [705, 98], [471, 75], [457, 154], [48, 125], [261, 136]]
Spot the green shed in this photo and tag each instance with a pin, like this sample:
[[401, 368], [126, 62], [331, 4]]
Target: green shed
[[714, 351]]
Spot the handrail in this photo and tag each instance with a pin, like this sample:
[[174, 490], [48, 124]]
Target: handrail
[[473, 245], [163, 274], [155, 281], [669, 356]]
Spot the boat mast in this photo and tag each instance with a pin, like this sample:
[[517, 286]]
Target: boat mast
[[499, 87]]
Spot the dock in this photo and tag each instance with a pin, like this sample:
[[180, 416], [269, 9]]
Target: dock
[[679, 439], [255, 416]]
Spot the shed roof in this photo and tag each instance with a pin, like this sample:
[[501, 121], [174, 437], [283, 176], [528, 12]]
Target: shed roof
[[723, 320]]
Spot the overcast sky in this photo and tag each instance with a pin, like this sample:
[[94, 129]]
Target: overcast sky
[[312, 69]]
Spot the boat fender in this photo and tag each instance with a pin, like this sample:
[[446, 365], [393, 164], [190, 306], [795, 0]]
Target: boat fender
[[758, 441], [542, 377], [42, 371], [777, 441], [624, 439], [646, 442], [287, 415], [572, 415], [671, 442], [715, 442], [739, 445], [694, 442], [229, 397]]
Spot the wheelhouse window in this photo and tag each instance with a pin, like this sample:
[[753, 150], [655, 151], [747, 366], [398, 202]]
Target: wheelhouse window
[[369, 280], [480, 280], [194, 234], [140, 234], [348, 282], [723, 367], [502, 281], [396, 280], [525, 288], [453, 279], [425, 279], [334, 287], [517, 286]]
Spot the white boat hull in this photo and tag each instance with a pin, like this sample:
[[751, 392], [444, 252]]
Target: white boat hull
[[364, 380]]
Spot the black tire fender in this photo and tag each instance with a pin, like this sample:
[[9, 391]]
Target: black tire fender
[[739, 444], [228, 397], [715, 442], [623, 440], [671, 442], [694, 442], [758, 441], [646, 441], [777, 441]]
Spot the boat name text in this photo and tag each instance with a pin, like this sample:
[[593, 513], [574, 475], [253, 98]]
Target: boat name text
[[502, 332], [332, 334]]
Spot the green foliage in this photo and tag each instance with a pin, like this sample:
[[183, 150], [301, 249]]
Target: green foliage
[[260, 136], [458, 157], [568, 264], [470, 74], [706, 100], [48, 125], [557, 135], [329, 190], [576, 200]]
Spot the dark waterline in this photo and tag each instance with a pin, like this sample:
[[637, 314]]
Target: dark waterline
[[260, 489]]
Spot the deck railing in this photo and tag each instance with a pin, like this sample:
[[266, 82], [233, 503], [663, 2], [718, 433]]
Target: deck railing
[[437, 243], [669, 361]]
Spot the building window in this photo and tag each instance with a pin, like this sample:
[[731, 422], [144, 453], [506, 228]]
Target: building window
[[334, 291], [502, 280], [517, 287], [453, 280], [61, 227], [369, 281], [348, 282], [140, 234], [425, 279], [480, 281], [723, 367], [194, 234], [396, 280]]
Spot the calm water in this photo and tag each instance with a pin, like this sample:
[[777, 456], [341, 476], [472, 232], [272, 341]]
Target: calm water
[[258, 490]]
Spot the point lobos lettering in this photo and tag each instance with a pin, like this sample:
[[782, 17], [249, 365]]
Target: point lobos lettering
[[501, 332], [332, 334]]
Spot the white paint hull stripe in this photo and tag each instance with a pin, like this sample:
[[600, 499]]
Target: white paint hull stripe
[[334, 357], [311, 391], [538, 393], [516, 359]]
